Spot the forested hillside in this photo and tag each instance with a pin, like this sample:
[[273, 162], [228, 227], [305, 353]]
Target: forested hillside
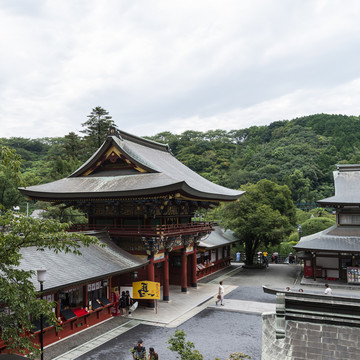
[[301, 153]]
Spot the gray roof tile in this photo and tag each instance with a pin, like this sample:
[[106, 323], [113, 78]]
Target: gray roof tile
[[165, 174], [218, 237], [340, 239], [65, 269]]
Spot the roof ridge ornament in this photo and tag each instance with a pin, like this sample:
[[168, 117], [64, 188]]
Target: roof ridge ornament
[[113, 131]]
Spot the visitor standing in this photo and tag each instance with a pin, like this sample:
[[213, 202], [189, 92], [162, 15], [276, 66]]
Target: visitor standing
[[128, 301], [265, 259], [139, 351], [122, 304], [152, 354], [220, 294], [328, 290]]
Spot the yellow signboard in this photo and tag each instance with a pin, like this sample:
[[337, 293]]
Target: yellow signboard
[[146, 290]]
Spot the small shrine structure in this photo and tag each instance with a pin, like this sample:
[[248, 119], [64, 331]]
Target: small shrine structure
[[334, 254]]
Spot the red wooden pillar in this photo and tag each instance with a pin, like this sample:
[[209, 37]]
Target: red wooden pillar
[[184, 271], [166, 278], [314, 265], [151, 276], [194, 269]]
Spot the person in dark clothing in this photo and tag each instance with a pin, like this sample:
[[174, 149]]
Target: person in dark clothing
[[138, 352], [152, 354], [128, 301], [122, 303]]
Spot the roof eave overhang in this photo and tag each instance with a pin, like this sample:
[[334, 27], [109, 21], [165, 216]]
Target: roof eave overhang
[[338, 203], [210, 247], [181, 188], [95, 278], [313, 249]]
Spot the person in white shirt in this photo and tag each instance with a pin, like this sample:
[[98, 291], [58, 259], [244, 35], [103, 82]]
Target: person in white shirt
[[328, 290], [221, 294]]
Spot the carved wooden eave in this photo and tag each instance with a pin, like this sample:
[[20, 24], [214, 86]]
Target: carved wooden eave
[[128, 167]]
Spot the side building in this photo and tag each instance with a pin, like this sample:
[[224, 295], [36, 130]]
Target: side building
[[334, 254]]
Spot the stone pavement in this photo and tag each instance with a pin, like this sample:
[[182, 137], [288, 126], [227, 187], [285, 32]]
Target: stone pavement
[[181, 307]]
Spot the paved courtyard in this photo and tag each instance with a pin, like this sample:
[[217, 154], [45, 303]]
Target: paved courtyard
[[215, 330]]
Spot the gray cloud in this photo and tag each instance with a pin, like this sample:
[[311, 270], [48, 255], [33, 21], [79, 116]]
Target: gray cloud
[[172, 66]]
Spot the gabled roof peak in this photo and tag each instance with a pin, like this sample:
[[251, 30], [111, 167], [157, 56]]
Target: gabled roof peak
[[113, 131]]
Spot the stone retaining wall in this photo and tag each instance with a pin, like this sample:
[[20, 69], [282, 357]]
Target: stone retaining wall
[[308, 341]]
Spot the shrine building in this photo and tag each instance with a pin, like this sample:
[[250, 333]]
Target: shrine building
[[334, 254], [146, 200]]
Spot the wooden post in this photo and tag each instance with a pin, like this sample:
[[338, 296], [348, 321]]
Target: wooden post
[[314, 265], [184, 271], [151, 276], [166, 278], [194, 269]]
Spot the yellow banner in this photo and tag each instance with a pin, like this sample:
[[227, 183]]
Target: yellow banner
[[146, 290]]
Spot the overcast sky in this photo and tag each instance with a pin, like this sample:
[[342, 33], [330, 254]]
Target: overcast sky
[[175, 65]]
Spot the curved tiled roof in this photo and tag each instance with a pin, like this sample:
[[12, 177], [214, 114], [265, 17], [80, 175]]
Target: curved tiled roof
[[335, 238], [218, 237], [163, 174], [68, 269]]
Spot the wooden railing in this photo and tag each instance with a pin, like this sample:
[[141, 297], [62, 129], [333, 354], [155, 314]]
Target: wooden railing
[[148, 230]]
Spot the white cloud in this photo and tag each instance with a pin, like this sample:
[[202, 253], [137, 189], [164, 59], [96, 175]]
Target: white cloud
[[174, 66]]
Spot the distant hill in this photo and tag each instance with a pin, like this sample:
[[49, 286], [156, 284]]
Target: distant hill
[[301, 153]]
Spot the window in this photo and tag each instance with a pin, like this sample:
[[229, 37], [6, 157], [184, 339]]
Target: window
[[177, 261], [97, 291], [71, 299], [349, 219], [213, 255]]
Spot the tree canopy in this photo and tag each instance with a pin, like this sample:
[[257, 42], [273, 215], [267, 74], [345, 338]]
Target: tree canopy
[[262, 217], [97, 127], [18, 296], [300, 153]]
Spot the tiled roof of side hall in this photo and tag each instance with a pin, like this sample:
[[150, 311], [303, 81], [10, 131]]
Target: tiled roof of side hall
[[67, 269], [163, 174], [218, 237], [335, 238]]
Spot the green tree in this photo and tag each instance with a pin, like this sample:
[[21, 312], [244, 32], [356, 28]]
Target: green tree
[[237, 356], [18, 296], [316, 224], [73, 148], [299, 185], [62, 213], [263, 216], [186, 350], [9, 194], [97, 127]]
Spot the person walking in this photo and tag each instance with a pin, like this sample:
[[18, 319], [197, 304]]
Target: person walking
[[265, 259], [328, 290], [122, 304], [128, 302], [152, 354], [139, 351], [220, 294]]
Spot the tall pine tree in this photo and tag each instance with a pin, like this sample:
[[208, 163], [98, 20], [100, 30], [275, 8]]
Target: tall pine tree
[[97, 127]]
